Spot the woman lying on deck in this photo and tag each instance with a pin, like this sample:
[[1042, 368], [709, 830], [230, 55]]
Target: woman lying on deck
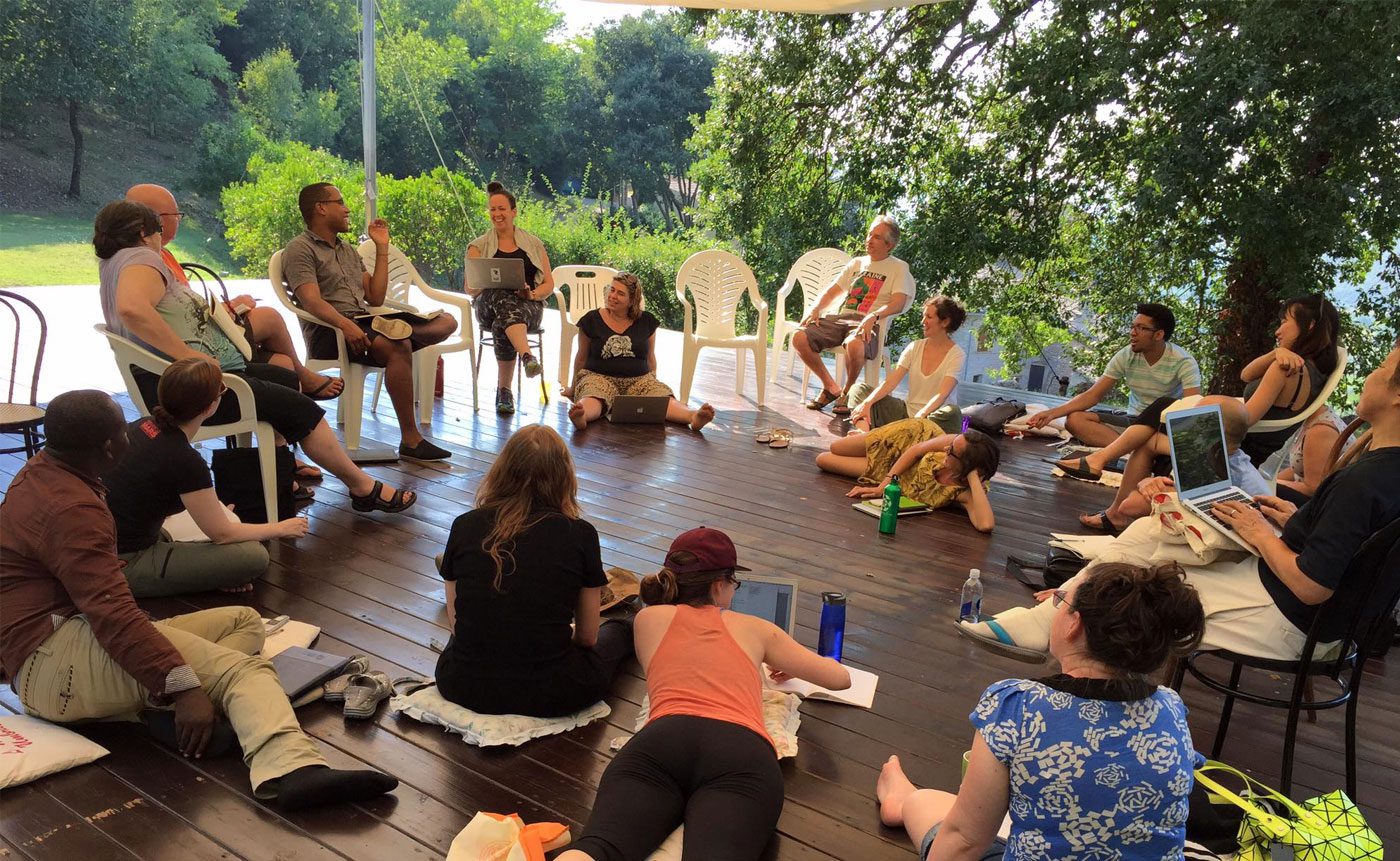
[[617, 356], [704, 758], [1095, 755], [519, 569], [934, 468]]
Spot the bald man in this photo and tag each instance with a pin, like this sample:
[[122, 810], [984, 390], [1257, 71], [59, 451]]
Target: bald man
[[266, 327], [1149, 468]]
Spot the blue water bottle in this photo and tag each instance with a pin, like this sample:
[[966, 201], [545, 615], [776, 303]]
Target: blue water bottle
[[832, 631]]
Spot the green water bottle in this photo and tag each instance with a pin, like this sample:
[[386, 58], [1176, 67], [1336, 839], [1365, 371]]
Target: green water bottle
[[889, 510]]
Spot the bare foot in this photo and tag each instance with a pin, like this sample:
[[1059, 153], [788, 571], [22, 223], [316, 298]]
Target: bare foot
[[320, 386], [891, 788], [242, 587], [306, 470], [577, 417], [703, 416]]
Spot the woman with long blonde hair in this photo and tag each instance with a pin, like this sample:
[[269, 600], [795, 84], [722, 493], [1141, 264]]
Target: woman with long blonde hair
[[520, 568]]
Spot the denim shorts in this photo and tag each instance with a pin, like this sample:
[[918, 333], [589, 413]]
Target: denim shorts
[[993, 853]]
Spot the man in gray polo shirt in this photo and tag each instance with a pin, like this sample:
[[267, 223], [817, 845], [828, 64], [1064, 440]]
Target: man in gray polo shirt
[[331, 282]]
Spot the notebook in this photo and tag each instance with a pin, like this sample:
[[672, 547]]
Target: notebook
[[771, 598], [860, 693], [300, 669], [1201, 468], [907, 506]]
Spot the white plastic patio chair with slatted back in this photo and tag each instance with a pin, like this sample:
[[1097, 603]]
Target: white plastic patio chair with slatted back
[[813, 272], [717, 280], [872, 366], [128, 353], [587, 288], [350, 410], [411, 291]]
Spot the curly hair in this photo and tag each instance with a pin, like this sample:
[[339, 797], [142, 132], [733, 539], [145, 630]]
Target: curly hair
[[1136, 617]]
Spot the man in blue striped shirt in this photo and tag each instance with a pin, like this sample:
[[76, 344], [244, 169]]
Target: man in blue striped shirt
[[1150, 366]]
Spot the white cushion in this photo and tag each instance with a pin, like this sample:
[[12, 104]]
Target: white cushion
[[780, 718], [31, 748], [429, 706]]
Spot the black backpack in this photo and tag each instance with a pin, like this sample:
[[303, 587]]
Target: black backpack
[[990, 416]]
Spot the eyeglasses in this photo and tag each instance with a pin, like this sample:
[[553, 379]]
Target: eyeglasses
[[223, 390], [950, 452], [1139, 329], [177, 215], [734, 581], [337, 200], [1060, 598]]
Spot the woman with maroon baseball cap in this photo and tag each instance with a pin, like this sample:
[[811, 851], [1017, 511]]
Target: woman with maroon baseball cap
[[704, 758]]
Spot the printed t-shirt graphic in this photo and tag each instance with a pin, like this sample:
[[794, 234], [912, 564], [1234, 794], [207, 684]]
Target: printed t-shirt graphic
[[865, 289]]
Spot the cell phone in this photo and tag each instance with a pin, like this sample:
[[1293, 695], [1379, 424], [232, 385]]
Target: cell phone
[[276, 623]]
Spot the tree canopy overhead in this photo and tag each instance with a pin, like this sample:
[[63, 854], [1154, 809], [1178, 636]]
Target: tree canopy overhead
[[1221, 155]]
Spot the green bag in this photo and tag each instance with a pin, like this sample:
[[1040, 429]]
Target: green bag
[[1326, 828]]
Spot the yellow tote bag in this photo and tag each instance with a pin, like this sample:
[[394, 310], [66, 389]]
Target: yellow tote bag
[[1326, 828]]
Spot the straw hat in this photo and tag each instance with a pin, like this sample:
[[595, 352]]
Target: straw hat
[[622, 584]]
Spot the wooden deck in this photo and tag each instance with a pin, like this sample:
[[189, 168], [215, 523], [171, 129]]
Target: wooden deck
[[368, 581]]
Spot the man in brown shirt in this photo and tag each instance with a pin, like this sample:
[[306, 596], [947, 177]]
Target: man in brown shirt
[[329, 280], [77, 647]]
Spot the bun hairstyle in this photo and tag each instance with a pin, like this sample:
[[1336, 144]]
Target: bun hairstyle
[[494, 188], [981, 454], [1135, 618], [949, 310], [692, 587], [186, 389], [122, 224]]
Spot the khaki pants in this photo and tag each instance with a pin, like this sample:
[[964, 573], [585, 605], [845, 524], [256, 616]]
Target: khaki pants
[[890, 409], [70, 677], [180, 567]]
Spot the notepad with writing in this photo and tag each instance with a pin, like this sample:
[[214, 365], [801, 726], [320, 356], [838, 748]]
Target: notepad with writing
[[907, 506], [860, 693]]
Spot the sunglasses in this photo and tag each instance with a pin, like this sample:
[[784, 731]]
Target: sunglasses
[[1060, 598]]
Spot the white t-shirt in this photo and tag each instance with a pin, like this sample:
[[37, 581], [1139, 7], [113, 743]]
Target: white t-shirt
[[871, 284], [922, 388]]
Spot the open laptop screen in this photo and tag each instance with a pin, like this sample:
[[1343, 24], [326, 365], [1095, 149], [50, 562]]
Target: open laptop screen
[[1198, 450], [771, 598]]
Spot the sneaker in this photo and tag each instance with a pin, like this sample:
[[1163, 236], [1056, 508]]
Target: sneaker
[[505, 402], [425, 450], [532, 366]]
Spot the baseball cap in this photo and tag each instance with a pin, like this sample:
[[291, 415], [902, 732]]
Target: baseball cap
[[712, 549]]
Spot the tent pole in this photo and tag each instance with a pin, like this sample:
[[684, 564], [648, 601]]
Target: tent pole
[[368, 111]]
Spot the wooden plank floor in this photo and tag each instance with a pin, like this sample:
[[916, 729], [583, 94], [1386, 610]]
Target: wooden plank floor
[[368, 581]]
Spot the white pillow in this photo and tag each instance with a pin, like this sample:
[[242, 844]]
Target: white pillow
[[429, 706], [780, 718], [31, 748]]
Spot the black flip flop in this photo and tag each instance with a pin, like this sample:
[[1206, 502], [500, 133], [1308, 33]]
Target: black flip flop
[[1105, 525], [313, 394], [1081, 472]]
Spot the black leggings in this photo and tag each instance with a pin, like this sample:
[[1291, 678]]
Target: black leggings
[[721, 779], [580, 679]]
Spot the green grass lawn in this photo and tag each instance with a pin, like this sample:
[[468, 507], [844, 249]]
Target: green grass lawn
[[36, 250]]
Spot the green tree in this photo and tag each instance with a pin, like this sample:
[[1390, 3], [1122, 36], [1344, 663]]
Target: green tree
[[272, 99], [321, 35], [1220, 155]]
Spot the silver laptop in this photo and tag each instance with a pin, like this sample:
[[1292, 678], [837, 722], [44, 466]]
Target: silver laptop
[[771, 598], [633, 410], [495, 273], [1201, 468]]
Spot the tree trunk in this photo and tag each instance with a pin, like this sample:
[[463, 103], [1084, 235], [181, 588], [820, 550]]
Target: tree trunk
[[75, 179], [1246, 325]]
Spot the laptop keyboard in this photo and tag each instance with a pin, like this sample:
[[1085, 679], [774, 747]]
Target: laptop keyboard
[[1203, 506]]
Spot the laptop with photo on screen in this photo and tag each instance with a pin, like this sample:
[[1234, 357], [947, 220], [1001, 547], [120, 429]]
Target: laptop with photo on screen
[[496, 273], [627, 409], [771, 598], [1201, 468]]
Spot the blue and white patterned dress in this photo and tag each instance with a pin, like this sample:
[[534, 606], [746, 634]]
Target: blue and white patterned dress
[[1092, 779]]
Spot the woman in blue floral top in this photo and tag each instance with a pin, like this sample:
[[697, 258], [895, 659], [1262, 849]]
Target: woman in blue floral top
[[1093, 763]]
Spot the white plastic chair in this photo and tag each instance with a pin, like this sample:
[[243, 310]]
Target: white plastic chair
[[814, 272], [872, 366], [588, 287], [718, 280], [129, 353], [404, 281], [1273, 464], [349, 411]]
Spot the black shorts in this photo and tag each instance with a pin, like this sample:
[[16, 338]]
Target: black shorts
[[321, 341], [276, 396], [720, 779]]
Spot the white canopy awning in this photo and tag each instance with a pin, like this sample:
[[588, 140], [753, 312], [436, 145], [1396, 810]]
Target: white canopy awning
[[813, 7]]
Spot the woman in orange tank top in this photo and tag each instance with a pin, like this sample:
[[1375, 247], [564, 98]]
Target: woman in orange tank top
[[704, 758]]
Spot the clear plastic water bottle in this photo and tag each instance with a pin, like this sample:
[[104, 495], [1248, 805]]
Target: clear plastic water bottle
[[831, 633], [971, 609], [889, 508]]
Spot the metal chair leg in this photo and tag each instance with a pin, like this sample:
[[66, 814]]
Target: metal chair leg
[[1224, 726]]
